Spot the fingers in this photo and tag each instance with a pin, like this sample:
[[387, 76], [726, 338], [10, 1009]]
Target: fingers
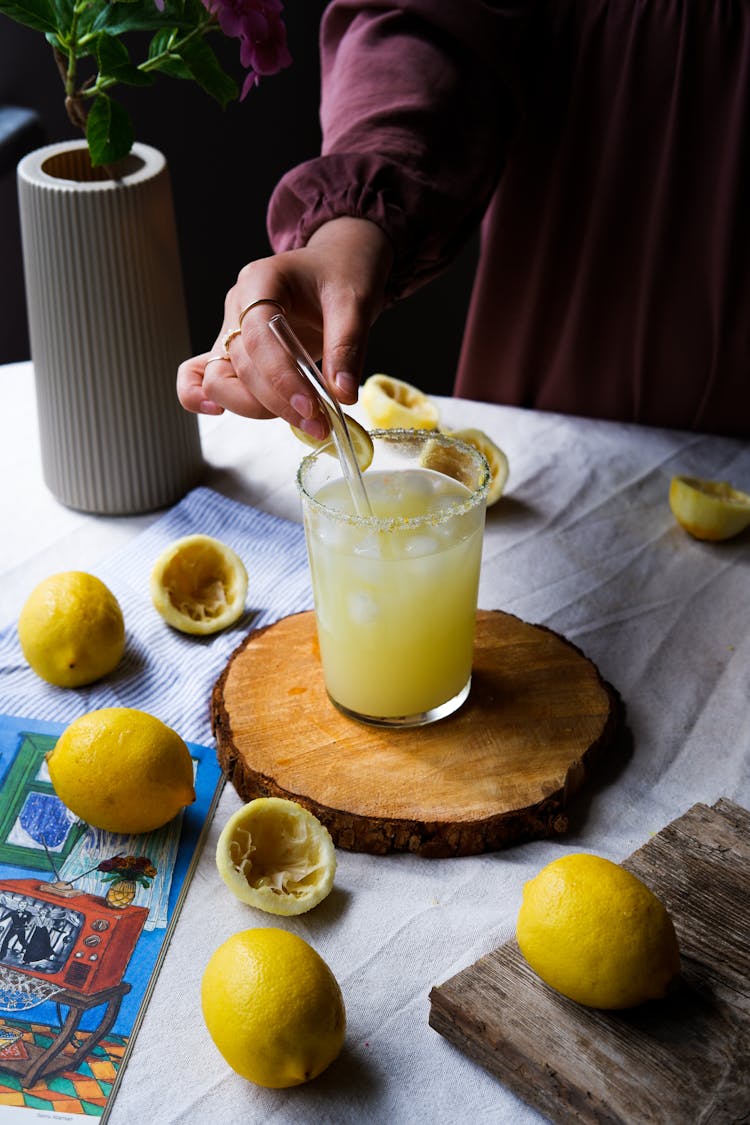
[[190, 390], [331, 291], [265, 369], [208, 384], [273, 385]]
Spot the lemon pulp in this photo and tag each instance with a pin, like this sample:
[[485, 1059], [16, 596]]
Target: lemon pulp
[[276, 856], [393, 404], [199, 584], [709, 509], [496, 459]]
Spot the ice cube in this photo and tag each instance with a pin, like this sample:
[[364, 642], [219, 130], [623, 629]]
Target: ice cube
[[419, 545], [368, 547], [362, 608]]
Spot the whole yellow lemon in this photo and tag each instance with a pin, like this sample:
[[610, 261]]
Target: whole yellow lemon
[[71, 629], [596, 933], [273, 1007], [122, 770]]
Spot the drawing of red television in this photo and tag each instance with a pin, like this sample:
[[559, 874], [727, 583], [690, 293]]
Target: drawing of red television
[[67, 937]]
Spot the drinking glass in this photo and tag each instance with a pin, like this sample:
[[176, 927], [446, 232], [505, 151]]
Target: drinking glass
[[396, 592]]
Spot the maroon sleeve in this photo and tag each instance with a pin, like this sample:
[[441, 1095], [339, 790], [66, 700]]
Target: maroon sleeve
[[417, 108]]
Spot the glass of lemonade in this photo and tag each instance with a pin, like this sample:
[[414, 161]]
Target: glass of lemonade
[[396, 592]]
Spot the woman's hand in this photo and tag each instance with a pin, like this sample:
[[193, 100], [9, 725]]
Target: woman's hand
[[332, 290]]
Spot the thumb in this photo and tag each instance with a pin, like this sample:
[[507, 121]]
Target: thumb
[[345, 333]]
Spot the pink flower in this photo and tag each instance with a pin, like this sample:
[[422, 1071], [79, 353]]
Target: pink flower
[[260, 29]]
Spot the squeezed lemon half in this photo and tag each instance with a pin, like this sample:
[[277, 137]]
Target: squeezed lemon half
[[394, 404], [199, 585], [273, 1007], [595, 933], [277, 856], [496, 459], [709, 509], [361, 440]]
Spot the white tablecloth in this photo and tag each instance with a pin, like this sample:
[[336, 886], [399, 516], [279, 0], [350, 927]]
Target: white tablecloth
[[584, 542]]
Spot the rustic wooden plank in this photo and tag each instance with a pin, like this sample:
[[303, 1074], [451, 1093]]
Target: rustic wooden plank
[[716, 885], [537, 721], [680, 1060]]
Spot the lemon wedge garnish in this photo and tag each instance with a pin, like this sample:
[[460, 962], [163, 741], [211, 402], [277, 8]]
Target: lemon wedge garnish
[[709, 509], [277, 856], [393, 404], [361, 440], [199, 585], [496, 459]]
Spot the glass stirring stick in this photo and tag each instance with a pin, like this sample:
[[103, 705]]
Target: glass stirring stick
[[342, 440]]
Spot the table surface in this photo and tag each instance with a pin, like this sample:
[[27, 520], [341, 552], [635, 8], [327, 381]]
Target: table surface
[[584, 543]]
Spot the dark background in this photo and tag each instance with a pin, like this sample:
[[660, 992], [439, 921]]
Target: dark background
[[224, 165]]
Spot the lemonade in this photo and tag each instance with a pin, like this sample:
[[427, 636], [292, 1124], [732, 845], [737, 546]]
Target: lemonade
[[396, 594]]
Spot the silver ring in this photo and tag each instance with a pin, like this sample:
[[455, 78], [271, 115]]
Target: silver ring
[[261, 301]]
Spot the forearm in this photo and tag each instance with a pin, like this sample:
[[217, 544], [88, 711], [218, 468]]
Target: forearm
[[415, 125]]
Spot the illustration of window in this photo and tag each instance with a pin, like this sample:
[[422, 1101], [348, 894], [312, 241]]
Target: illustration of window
[[33, 820]]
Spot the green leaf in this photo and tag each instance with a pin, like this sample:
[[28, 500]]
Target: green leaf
[[173, 66], [122, 16], [39, 14], [109, 131], [114, 63], [63, 10], [169, 63], [160, 42], [207, 71]]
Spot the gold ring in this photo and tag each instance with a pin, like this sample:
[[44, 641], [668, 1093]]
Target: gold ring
[[261, 301], [227, 339], [213, 359]]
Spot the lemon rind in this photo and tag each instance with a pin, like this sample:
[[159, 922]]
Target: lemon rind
[[234, 867], [405, 407], [709, 510], [162, 599]]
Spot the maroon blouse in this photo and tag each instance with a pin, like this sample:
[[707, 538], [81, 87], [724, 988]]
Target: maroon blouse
[[604, 145]]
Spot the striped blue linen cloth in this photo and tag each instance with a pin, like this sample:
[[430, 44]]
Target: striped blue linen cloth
[[164, 672]]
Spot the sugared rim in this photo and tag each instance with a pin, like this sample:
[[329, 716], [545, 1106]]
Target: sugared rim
[[373, 523]]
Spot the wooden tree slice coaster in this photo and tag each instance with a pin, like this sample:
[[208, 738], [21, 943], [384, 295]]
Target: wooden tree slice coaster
[[498, 771]]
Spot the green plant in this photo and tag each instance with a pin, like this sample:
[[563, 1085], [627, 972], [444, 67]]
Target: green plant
[[91, 44]]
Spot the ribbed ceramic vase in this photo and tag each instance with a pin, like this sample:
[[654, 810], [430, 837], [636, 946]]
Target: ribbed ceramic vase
[[108, 327]]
